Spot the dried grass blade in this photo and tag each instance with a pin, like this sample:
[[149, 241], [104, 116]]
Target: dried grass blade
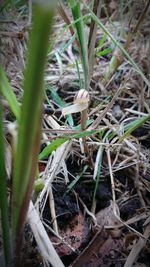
[[44, 244]]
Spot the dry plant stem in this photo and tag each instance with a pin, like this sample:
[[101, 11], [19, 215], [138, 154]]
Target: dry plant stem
[[137, 248], [52, 209], [84, 116], [133, 32], [133, 220], [43, 241], [30, 12], [91, 214]]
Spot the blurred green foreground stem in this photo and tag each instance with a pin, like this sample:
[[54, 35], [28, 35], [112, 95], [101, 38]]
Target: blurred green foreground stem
[[29, 133]]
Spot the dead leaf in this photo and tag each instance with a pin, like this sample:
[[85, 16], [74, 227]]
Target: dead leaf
[[103, 250]]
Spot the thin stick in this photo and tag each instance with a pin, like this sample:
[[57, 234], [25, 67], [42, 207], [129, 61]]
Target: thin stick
[[52, 209]]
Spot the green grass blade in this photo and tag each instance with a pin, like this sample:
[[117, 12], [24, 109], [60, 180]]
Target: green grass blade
[[31, 115], [59, 141], [61, 103], [3, 197], [79, 24], [102, 41], [133, 126], [78, 73], [51, 147], [130, 127], [104, 52], [77, 178], [8, 93], [56, 97]]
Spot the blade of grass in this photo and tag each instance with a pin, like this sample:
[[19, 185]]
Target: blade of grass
[[61, 103], [130, 127], [104, 52], [31, 116], [8, 93], [51, 147], [133, 126], [3, 196], [102, 41], [77, 178], [59, 141], [79, 24], [78, 72]]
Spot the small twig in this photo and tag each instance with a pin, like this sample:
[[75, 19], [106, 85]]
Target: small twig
[[137, 248], [52, 209]]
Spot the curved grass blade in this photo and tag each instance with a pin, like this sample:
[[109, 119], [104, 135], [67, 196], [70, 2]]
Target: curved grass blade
[[130, 127], [59, 141], [8, 93], [133, 126], [51, 147], [61, 103], [77, 178]]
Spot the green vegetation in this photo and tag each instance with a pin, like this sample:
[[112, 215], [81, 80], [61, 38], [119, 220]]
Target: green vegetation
[[43, 88], [30, 117]]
